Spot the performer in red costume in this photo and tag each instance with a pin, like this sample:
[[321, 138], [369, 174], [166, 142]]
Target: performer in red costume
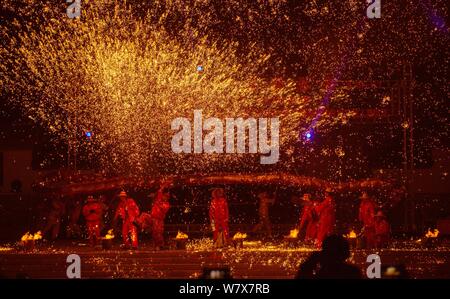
[[382, 230], [55, 217], [264, 224], [93, 213], [158, 213], [308, 218], [366, 216], [128, 211], [218, 215], [326, 211]]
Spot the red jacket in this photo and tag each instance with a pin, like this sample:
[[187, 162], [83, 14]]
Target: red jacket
[[93, 211], [382, 228], [309, 218], [327, 215], [382, 233], [128, 210], [367, 212], [160, 207], [218, 210]]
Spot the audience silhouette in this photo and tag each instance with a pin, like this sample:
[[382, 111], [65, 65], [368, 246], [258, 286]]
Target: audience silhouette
[[330, 262]]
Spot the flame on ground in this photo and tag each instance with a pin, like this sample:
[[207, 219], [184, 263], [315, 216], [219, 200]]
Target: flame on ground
[[293, 233], [181, 235], [351, 235], [109, 235], [432, 234], [37, 236], [26, 237], [239, 235], [30, 237]]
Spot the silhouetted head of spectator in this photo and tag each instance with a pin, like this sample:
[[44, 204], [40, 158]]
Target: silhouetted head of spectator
[[335, 248], [22, 275]]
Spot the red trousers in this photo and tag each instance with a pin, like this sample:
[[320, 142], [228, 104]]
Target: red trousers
[[324, 230], [220, 227], [158, 232], [369, 235], [129, 230], [311, 231], [381, 241], [93, 230]]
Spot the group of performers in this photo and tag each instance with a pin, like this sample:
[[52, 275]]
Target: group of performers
[[317, 219], [133, 221]]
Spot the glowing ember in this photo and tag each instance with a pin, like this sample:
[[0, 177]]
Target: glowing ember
[[26, 237], [293, 234], [203, 244], [3, 249], [239, 235], [392, 271], [252, 243], [181, 235], [432, 234], [30, 237], [109, 235], [37, 236], [351, 235]]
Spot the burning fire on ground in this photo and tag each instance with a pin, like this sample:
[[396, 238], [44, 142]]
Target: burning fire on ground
[[293, 234], [181, 235], [432, 234], [109, 235], [239, 235], [31, 237], [351, 235]]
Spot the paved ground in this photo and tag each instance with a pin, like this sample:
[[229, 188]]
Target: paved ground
[[253, 261]]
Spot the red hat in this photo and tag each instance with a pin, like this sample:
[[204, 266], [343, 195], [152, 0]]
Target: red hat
[[263, 194], [379, 214], [364, 195], [218, 193]]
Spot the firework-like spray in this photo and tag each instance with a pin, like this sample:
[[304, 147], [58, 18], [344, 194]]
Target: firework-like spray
[[125, 71], [125, 77]]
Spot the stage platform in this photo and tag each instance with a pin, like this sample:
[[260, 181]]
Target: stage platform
[[258, 261]]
